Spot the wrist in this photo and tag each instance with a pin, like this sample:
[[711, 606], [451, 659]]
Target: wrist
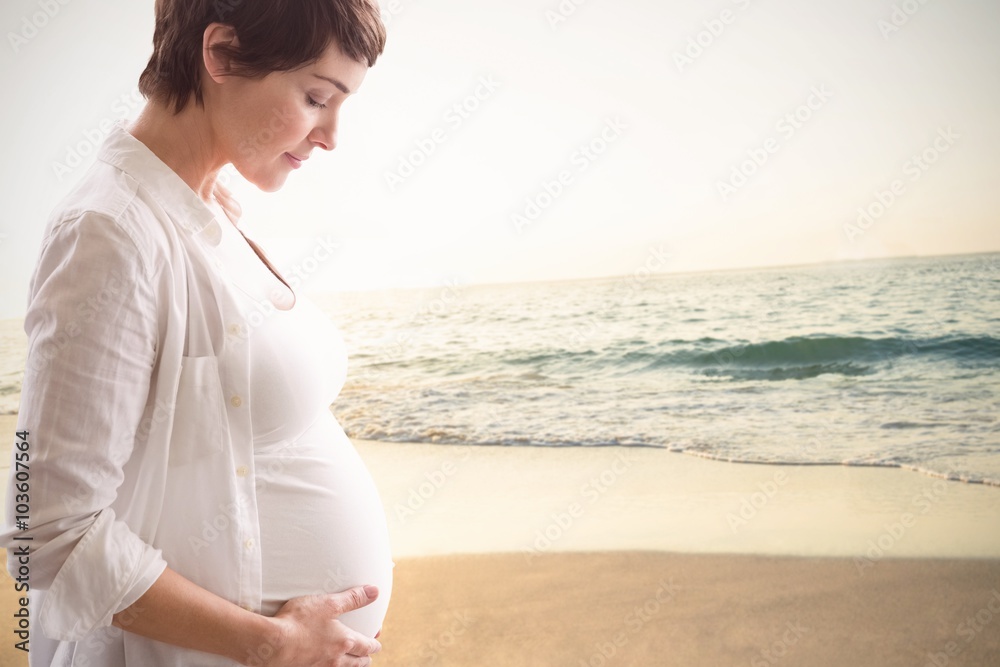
[[263, 638]]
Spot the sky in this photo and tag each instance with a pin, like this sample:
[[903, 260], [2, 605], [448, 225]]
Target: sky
[[517, 140]]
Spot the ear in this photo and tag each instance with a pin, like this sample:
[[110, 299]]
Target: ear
[[218, 64]]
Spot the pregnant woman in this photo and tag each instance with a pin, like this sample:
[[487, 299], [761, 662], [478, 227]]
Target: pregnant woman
[[192, 499]]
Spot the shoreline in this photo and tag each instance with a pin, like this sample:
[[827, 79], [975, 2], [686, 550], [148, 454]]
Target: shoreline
[[7, 422], [444, 499], [472, 499], [985, 481]]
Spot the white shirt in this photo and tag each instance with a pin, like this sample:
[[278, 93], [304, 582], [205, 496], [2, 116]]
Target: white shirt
[[135, 397], [322, 524]]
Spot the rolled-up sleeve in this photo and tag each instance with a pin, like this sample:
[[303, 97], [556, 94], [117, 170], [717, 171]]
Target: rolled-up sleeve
[[92, 342]]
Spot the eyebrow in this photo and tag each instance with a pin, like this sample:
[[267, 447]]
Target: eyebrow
[[344, 89]]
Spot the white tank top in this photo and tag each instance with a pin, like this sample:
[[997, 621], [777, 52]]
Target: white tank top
[[322, 524]]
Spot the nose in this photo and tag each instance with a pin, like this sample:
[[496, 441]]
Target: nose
[[324, 134]]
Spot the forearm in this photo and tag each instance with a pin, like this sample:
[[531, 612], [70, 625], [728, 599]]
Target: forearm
[[176, 611]]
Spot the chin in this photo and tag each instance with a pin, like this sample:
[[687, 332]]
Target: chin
[[265, 181], [270, 186]]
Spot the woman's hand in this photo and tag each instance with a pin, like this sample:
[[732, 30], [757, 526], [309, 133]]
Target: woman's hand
[[304, 633], [311, 636]]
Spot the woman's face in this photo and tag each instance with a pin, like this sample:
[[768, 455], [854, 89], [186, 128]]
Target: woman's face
[[268, 127]]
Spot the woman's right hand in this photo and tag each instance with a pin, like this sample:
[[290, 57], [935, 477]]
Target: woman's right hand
[[311, 636]]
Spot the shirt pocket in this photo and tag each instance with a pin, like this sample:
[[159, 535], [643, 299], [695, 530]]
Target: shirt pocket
[[200, 426]]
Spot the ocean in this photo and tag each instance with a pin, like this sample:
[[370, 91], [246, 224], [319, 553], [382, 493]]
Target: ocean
[[878, 363]]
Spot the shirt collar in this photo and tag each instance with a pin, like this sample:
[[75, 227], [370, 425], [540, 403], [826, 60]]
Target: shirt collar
[[123, 151]]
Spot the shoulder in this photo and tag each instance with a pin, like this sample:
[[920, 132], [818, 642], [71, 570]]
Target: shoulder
[[106, 209]]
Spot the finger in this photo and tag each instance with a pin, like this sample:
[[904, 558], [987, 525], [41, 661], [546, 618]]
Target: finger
[[353, 598], [225, 197], [364, 647], [235, 207], [222, 190]]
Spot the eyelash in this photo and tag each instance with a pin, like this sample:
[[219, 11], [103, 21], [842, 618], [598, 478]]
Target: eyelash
[[314, 103]]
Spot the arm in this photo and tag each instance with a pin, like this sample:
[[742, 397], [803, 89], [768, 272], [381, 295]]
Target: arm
[[92, 340], [304, 632]]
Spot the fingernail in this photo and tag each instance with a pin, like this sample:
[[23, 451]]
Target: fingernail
[[371, 591]]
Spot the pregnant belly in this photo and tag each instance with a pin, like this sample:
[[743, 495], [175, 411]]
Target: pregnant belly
[[322, 525]]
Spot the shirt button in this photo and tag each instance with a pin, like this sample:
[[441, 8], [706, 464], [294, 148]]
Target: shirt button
[[236, 401], [249, 543], [248, 607], [242, 471], [213, 232], [234, 329]]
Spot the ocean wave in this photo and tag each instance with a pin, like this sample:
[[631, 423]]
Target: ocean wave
[[797, 357], [843, 353], [789, 372], [794, 358]]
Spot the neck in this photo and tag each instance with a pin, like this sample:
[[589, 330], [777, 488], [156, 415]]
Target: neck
[[184, 142]]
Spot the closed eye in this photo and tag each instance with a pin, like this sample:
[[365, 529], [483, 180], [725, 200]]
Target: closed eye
[[314, 103]]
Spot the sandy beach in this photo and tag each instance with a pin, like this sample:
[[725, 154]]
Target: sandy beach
[[518, 556], [649, 609]]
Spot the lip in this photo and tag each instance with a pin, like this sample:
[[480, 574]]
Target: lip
[[294, 161]]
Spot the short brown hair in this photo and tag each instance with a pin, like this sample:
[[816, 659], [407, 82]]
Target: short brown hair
[[274, 35]]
